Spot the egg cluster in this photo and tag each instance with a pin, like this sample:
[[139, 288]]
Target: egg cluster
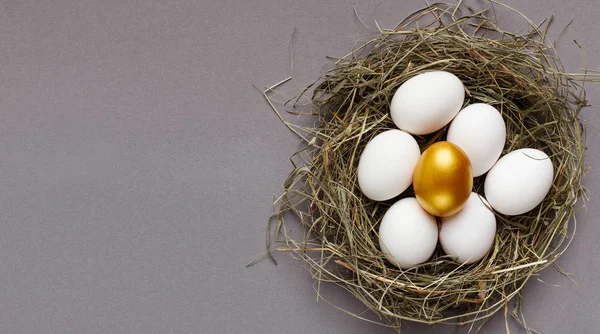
[[442, 175]]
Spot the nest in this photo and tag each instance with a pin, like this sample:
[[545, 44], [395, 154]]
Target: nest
[[517, 73]]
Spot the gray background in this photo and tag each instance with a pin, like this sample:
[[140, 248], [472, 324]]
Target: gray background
[[138, 166]]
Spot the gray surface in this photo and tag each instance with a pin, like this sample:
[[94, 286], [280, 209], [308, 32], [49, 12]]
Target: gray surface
[[138, 166]]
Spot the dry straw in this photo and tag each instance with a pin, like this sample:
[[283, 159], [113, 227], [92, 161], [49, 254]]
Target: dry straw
[[519, 74]]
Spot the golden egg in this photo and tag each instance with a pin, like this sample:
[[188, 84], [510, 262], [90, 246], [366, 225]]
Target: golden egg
[[443, 179]]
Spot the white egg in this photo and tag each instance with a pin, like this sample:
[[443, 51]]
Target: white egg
[[468, 235], [407, 234], [427, 102], [480, 131], [519, 181], [386, 165]]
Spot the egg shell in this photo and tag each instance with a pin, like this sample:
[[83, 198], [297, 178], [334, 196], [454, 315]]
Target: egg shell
[[443, 179], [386, 165], [519, 181], [407, 234], [427, 102], [468, 235], [480, 131]]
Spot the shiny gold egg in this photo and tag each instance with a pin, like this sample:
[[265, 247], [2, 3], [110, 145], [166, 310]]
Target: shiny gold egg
[[443, 179]]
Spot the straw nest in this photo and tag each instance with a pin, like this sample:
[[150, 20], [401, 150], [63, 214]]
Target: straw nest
[[519, 74]]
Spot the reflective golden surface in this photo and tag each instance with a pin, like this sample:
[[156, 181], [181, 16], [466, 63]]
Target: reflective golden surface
[[443, 179]]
